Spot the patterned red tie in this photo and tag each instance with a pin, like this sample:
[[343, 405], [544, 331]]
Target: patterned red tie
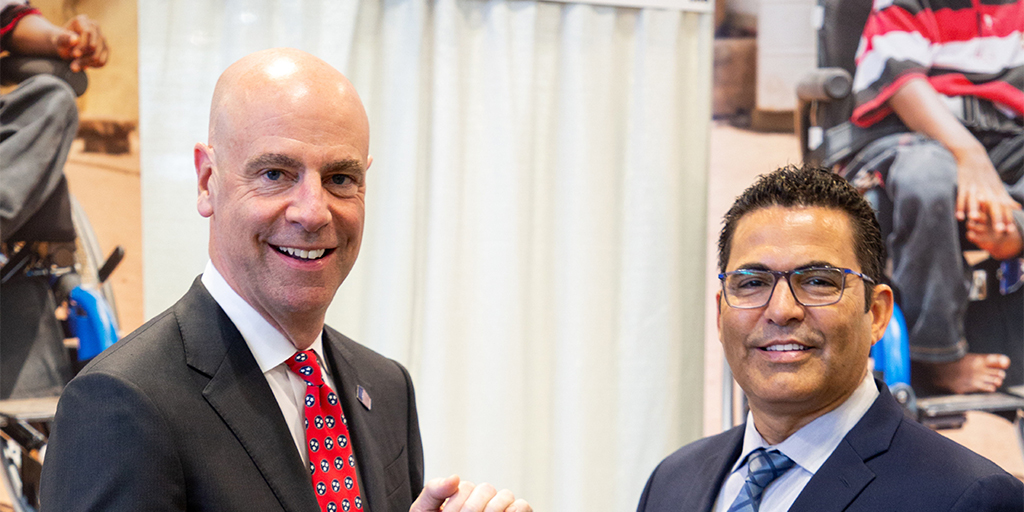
[[331, 462]]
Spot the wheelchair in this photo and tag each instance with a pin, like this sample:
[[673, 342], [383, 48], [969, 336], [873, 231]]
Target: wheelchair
[[53, 280], [994, 315]]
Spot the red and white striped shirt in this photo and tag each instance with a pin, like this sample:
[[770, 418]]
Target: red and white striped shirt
[[11, 12], [962, 47]]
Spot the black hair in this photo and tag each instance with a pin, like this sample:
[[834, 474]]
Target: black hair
[[812, 186]]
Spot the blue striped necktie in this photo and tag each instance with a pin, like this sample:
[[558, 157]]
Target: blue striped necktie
[[763, 467]]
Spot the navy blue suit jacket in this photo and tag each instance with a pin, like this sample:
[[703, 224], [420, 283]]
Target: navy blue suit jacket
[[885, 463], [178, 417]]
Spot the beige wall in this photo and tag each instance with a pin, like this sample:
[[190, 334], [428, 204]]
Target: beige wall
[[113, 89]]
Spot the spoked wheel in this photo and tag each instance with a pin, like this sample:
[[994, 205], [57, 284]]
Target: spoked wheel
[[88, 255]]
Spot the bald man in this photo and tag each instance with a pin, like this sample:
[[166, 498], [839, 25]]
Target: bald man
[[238, 397]]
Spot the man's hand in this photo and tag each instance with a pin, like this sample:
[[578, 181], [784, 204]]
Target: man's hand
[[81, 42], [450, 495]]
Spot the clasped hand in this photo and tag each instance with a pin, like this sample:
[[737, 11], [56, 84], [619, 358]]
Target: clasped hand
[[81, 42], [981, 195], [451, 495]]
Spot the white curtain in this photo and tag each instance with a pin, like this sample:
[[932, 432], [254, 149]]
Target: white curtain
[[535, 237]]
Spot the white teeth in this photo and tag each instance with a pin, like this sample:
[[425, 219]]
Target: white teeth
[[784, 348], [302, 253]]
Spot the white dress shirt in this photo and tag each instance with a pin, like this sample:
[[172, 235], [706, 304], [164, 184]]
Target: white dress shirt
[[809, 447], [271, 349]]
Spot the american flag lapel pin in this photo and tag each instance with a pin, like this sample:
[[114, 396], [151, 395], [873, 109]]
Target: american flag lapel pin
[[364, 397]]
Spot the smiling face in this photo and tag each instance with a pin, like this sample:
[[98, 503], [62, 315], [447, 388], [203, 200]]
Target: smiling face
[[283, 183], [793, 361]]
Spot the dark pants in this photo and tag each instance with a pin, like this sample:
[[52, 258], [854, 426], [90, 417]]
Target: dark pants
[[38, 122]]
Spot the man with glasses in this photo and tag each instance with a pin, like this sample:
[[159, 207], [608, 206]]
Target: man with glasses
[[801, 304]]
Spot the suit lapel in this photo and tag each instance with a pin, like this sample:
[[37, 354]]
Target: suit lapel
[[361, 420], [691, 478], [239, 393], [717, 467], [845, 474]]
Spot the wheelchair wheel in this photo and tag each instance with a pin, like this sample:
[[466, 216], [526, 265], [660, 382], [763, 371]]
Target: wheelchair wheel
[[10, 476], [88, 255]]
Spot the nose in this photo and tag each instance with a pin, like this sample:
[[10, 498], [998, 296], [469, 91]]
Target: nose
[[308, 205], [782, 307]]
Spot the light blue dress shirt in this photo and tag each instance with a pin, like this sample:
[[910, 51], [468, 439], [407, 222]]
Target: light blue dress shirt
[[809, 447]]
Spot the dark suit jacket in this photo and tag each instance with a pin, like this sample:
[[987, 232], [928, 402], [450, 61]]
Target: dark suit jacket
[[178, 416], [885, 463]]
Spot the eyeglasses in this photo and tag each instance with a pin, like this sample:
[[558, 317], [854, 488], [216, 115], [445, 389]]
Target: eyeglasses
[[814, 286]]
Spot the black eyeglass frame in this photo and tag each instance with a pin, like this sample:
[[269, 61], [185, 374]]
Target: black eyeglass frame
[[777, 274]]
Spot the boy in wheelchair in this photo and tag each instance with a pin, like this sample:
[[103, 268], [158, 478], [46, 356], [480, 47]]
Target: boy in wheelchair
[[38, 122], [939, 86]]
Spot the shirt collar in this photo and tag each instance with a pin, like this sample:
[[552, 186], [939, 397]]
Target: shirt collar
[[267, 344], [812, 445]]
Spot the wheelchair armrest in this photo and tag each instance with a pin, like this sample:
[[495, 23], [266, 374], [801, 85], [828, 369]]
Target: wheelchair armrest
[[16, 68], [825, 84]]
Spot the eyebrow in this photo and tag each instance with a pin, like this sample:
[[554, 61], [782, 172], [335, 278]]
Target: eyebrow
[[342, 166], [272, 160], [812, 264], [287, 162]]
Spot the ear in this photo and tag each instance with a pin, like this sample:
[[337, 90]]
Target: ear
[[718, 313], [880, 311], [205, 167]]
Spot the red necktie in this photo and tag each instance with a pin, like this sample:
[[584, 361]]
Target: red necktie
[[331, 461]]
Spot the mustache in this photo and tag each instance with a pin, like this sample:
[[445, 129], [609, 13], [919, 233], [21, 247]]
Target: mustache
[[801, 334]]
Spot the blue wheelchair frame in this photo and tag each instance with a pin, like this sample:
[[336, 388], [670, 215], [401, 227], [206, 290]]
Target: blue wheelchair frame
[[892, 353], [92, 321]]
